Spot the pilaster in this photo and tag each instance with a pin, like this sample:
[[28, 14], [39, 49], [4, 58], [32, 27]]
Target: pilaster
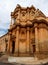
[[36, 36], [27, 39], [17, 40], [10, 43]]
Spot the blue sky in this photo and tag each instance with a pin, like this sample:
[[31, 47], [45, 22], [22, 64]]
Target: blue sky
[[7, 6]]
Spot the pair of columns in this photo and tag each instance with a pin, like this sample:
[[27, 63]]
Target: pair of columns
[[36, 37], [17, 39], [28, 38]]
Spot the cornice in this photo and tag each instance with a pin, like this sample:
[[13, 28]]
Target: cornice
[[35, 21], [43, 26]]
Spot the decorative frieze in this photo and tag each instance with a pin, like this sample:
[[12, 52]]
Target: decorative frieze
[[41, 25]]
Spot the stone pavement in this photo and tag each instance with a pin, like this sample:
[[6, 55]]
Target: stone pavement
[[6, 60], [1, 63]]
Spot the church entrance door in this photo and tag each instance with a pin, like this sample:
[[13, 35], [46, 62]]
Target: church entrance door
[[33, 49], [13, 46]]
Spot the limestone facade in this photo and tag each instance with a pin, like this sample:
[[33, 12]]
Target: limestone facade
[[4, 41], [28, 33]]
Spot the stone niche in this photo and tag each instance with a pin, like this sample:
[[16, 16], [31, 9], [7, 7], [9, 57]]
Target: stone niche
[[22, 40]]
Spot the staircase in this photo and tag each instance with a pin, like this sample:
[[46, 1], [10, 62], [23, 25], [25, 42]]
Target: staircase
[[26, 60]]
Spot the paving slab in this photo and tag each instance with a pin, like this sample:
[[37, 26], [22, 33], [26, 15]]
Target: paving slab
[[27, 60], [5, 60]]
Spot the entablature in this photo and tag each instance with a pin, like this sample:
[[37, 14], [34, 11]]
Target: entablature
[[31, 23], [23, 13]]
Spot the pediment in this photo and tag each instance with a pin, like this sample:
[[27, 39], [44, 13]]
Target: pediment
[[24, 10], [25, 14]]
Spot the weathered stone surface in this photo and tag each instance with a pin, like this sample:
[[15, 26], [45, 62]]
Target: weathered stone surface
[[28, 33]]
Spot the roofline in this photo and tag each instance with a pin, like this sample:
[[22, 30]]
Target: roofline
[[4, 35]]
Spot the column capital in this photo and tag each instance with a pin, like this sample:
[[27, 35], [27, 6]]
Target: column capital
[[17, 28], [35, 25], [28, 28]]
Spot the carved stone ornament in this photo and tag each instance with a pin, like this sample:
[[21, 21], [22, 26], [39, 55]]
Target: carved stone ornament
[[22, 40]]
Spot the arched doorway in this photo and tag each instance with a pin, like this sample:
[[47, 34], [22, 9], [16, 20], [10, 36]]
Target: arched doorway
[[34, 50], [13, 46]]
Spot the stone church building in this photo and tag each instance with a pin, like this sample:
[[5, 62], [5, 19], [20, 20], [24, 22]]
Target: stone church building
[[28, 33]]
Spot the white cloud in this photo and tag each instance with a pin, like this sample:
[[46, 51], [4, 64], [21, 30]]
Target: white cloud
[[6, 6]]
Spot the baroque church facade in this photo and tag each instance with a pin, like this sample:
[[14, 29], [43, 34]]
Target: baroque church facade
[[28, 33]]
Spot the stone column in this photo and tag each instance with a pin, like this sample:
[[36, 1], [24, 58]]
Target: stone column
[[9, 43], [36, 37], [28, 39], [17, 40], [42, 33]]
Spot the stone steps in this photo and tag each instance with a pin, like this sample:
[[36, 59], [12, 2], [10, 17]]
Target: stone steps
[[26, 60], [22, 59]]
